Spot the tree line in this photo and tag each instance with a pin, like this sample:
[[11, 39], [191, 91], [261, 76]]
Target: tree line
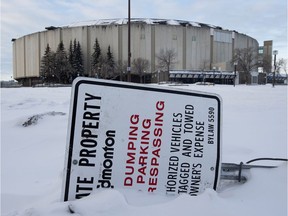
[[60, 66], [63, 67]]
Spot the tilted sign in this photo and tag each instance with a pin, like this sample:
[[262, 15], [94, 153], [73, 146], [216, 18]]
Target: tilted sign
[[141, 137]]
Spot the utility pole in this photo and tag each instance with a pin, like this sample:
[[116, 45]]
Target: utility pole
[[129, 44]]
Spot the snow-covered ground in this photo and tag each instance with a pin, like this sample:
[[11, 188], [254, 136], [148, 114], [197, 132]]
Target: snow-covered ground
[[32, 158]]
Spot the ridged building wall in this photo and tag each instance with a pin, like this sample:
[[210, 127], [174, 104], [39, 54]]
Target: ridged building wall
[[196, 45]]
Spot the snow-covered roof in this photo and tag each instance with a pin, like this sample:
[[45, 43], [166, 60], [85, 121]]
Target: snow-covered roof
[[150, 21]]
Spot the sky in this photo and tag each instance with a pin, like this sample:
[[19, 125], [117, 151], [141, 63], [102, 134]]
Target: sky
[[260, 19]]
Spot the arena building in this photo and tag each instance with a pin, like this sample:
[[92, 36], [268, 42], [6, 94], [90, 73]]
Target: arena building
[[198, 46]]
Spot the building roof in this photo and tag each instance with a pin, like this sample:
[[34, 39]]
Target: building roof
[[150, 21]]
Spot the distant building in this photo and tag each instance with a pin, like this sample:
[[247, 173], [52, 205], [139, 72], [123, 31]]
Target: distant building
[[265, 56], [198, 46]]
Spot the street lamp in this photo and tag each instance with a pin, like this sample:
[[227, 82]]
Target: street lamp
[[129, 43], [235, 66], [275, 52]]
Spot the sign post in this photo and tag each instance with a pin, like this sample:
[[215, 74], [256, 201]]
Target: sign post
[[153, 139]]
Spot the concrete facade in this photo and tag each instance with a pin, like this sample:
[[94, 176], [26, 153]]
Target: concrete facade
[[197, 46]]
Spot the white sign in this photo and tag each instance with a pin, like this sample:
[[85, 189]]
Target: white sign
[[141, 137]]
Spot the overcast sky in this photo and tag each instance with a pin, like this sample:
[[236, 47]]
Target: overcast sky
[[260, 19]]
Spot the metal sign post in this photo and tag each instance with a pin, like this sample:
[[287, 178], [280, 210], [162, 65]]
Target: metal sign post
[[153, 139]]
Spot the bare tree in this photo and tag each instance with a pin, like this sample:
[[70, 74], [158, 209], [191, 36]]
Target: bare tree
[[166, 59], [247, 60], [140, 65], [281, 63], [285, 66], [205, 65], [121, 68], [285, 69]]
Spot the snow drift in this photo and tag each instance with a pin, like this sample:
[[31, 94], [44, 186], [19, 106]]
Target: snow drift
[[32, 158]]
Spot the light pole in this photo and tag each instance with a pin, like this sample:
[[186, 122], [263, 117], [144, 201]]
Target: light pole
[[275, 52], [129, 44], [235, 67]]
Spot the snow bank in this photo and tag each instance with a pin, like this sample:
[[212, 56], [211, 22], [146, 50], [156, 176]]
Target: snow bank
[[32, 158]]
